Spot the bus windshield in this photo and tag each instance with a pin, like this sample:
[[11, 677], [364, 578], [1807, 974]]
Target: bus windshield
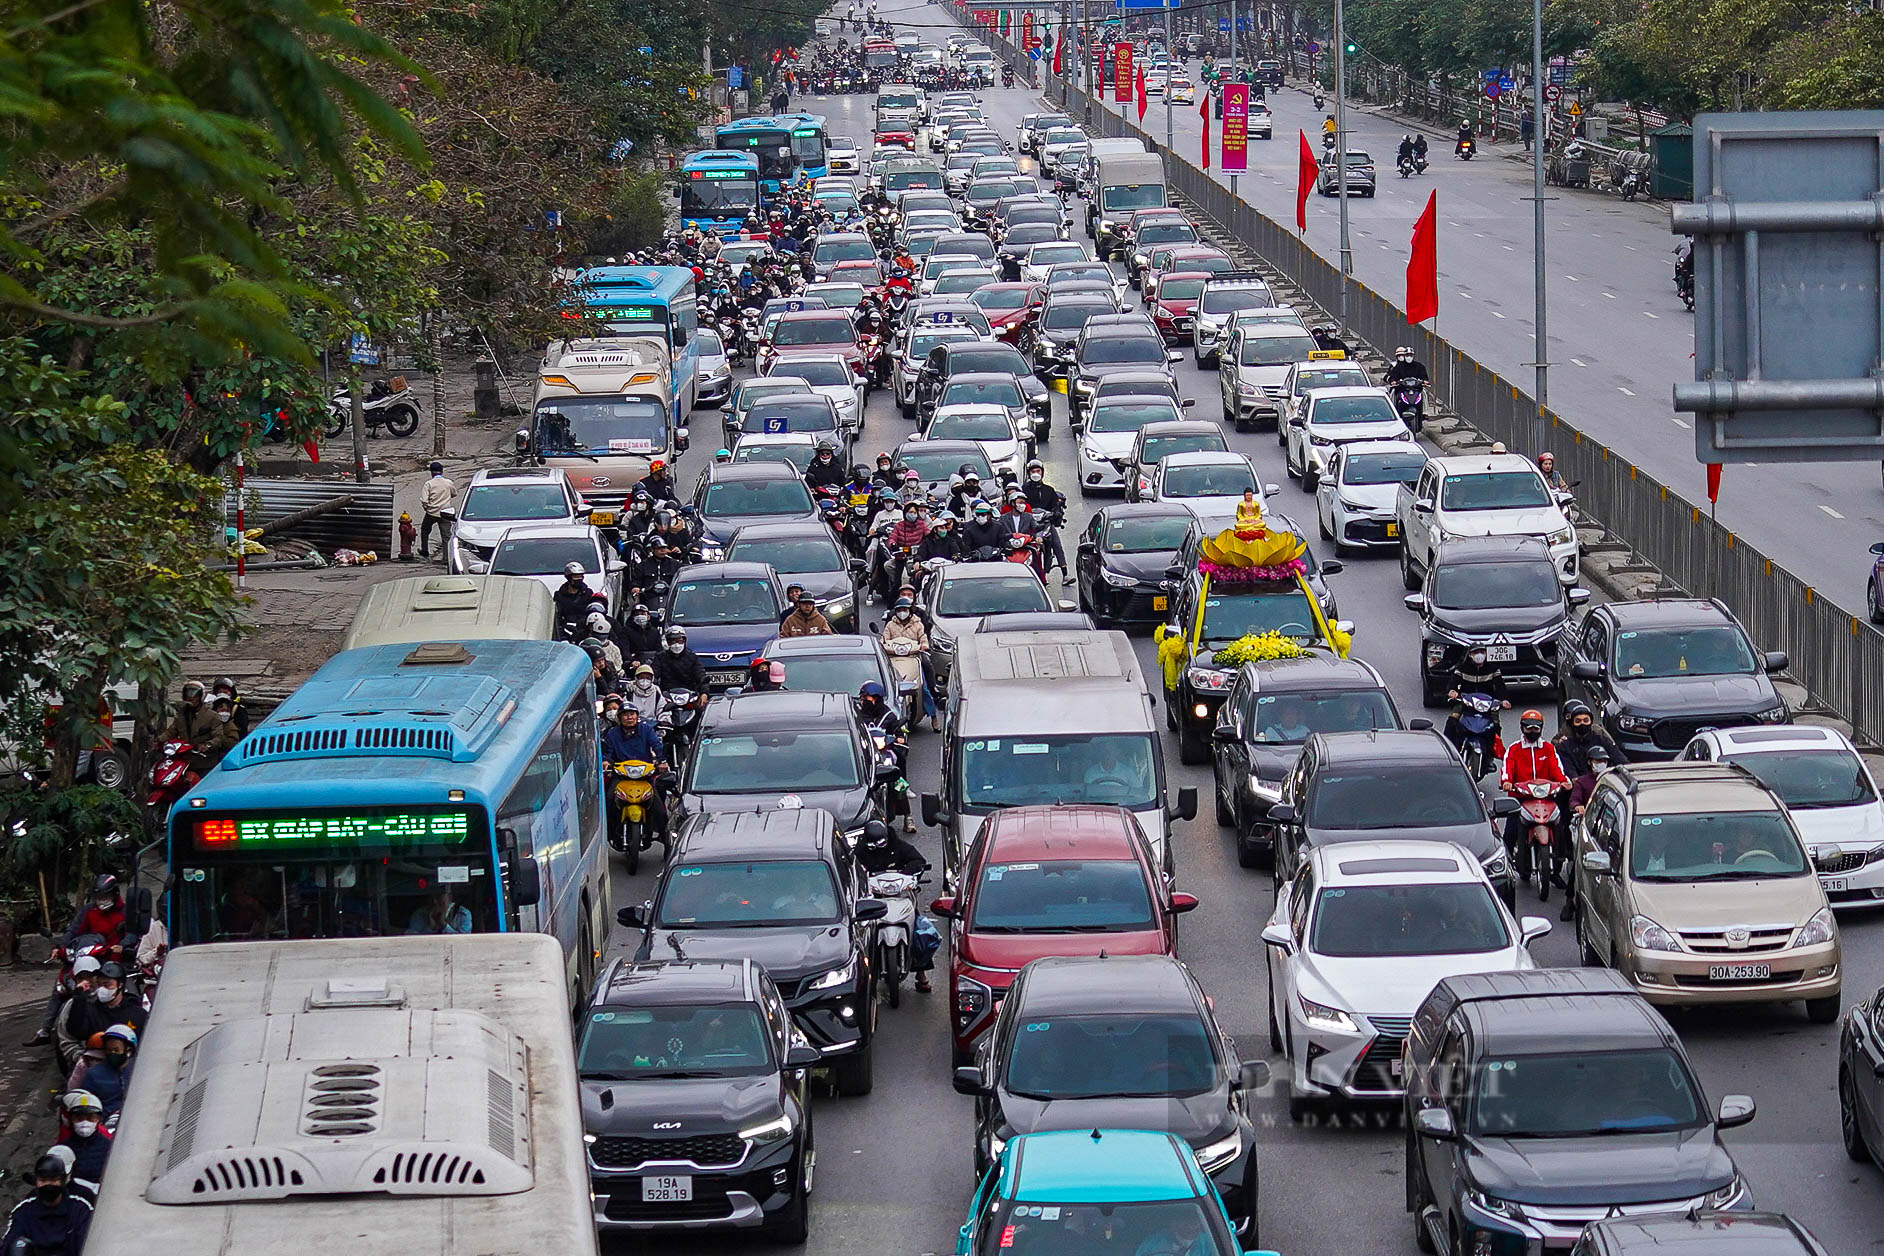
[[772, 148], [594, 426], [718, 193]]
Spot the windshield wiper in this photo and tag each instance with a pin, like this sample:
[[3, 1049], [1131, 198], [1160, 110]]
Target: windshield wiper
[[682, 1074], [1087, 928]]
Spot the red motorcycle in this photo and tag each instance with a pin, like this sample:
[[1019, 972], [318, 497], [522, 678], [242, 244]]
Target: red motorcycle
[[1024, 548], [1539, 803], [172, 776]]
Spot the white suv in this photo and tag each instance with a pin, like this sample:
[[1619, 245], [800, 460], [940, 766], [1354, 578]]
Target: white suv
[[498, 499], [1480, 495]]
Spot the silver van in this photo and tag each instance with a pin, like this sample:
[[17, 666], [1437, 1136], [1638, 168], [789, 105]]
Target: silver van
[[1050, 718], [417, 609]]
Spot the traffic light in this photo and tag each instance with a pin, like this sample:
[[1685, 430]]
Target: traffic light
[[1352, 47]]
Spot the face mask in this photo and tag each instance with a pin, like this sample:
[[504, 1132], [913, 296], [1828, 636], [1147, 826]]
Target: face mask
[[903, 614], [84, 1129], [1579, 730], [675, 647], [909, 516], [105, 994], [641, 621], [222, 717], [116, 1059], [1533, 735], [643, 684], [1034, 477], [48, 1194]]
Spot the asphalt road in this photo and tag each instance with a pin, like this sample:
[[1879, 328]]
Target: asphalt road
[[894, 1169]]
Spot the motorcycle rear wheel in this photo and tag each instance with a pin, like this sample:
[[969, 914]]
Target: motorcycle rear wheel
[[893, 966], [402, 420]]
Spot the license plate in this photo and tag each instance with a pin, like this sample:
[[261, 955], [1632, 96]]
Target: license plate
[[666, 1190], [725, 678], [1739, 972], [1501, 654], [1393, 529], [1396, 1067], [1835, 885], [1159, 601]]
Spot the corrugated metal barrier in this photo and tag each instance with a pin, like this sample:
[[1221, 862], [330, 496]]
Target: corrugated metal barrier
[[366, 524]]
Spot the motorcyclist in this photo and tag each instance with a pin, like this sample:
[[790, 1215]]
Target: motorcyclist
[[193, 719], [876, 714], [678, 667], [54, 1219], [637, 636], [1406, 148], [638, 520], [964, 495], [1597, 761], [109, 1077], [1405, 366], [984, 531], [1419, 149], [1547, 467], [1465, 137], [1328, 337], [825, 470], [880, 850], [608, 679], [239, 716], [1527, 760], [806, 620], [886, 475], [1049, 504], [643, 692], [860, 489], [109, 1004], [903, 624], [636, 739], [572, 598], [1476, 675], [103, 914], [1578, 736], [658, 484], [85, 1132], [941, 541], [1328, 128]]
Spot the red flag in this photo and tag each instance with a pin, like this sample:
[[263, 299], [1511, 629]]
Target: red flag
[[1713, 482], [1203, 111], [1144, 101], [1059, 49], [1307, 170], [1422, 268], [313, 450]]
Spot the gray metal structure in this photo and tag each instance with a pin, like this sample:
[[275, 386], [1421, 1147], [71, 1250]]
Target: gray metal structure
[[1788, 228]]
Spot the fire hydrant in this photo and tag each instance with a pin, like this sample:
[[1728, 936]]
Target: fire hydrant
[[407, 535]]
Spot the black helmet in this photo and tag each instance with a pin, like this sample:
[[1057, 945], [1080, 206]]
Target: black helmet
[[968, 472], [104, 884], [51, 1166], [858, 471], [593, 649], [1574, 708], [1599, 753], [112, 969], [876, 833]]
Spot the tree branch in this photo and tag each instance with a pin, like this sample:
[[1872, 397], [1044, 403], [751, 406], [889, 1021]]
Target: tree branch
[[105, 321]]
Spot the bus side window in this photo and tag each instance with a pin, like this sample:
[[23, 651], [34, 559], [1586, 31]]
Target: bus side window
[[582, 751]]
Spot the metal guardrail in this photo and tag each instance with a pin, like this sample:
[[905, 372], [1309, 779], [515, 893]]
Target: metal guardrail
[[366, 524], [1835, 654]]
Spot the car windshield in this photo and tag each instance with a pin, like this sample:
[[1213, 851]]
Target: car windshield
[[1275, 350], [922, 342], [1071, 317], [723, 601], [972, 425], [841, 294], [1382, 468], [821, 374], [1494, 490], [753, 391], [1113, 350], [1285, 611], [1119, 198], [1229, 300], [969, 597], [1119, 1055], [1714, 846], [543, 555], [747, 895], [754, 450], [1180, 289], [937, 466], [1487, 586], [831, 673], [789, 556], [1806, 780], [773, 763], [738, 499], [1328, 376], [516, 501], [632, 1043], [1020, 233], [1179, 1227], [1394, 796], [828, 251], [1157, 447], [1659, 653], [1583, 1094], [1146, 536], [1210, 479], [1165, 233], [1073, 272], [1064, 135], [1287, 719], [988, 191], [1130, 416], [829, 330], [1352, 410], [1000, 298], [1055, 253], [990, 360], [1062, 896], [1114, 769], [993, 392], [956, 283], [940, 263], [1382, 921]]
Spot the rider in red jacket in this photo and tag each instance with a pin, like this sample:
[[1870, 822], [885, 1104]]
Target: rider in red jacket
[[1529, 758]]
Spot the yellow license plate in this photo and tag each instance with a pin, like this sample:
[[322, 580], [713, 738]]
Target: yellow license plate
[[1159, 602], [1059, 385], [1393, 529]]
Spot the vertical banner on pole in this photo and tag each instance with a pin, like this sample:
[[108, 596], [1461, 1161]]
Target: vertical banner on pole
[[1027, 31], [1122, 72], [1235, 126]]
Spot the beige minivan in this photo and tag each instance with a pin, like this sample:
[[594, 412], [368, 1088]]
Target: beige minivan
[[1693, 884]]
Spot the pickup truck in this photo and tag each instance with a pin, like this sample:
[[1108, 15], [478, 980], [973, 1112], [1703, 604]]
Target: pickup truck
[[1481, 495]]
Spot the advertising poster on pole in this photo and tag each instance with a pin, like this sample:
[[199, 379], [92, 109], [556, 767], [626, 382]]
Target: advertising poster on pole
[[1122, 72], [1235, 127]]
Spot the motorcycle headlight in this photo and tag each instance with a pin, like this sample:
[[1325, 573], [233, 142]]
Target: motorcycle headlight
[[776, 1130], [1646, 935], [1819, 930], [843, 974], [1215, 1155], [1562, 536], [1321, 1016]]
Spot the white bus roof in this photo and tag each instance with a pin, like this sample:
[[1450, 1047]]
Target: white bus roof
[[401, 1095]]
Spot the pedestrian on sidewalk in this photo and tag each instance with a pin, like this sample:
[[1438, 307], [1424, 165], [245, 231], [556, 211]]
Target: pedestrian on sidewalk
[[1524, 131], [435, 501]]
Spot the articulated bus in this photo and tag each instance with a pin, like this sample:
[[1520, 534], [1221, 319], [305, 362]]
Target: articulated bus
[[789, 147], [450, 787], [718, 188]]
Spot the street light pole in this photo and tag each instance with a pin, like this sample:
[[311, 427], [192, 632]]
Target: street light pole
[[1340, 154], [1221, 80], [1170, 59], [1537, 218]]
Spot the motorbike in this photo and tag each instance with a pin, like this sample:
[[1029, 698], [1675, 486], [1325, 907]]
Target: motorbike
[[1007, 76], [1406, 166], [389, 404], [1478, 733], [636, 781], [1465, 150], [172, 776], [895, 941], [906, 662], [1419, 162], [1409, 400], [1684, 275], [1320, 100], [1631, 185], [1538, 803], [679, 722]]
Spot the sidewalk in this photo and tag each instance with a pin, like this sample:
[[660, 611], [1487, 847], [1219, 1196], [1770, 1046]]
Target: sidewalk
[[27, 1077]]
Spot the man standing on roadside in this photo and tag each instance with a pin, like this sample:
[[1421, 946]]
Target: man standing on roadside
[[435, 501]]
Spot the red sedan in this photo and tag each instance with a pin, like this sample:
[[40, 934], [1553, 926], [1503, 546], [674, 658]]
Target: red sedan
[[818, 332], [1049, 881], [1010, 307], [1173, 302]]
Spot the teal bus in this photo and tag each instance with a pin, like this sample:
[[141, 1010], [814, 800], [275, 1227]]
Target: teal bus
[[657, 301], [718, 188], [449, 787], [790, 147]]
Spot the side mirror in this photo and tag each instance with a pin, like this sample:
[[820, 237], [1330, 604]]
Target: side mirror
[[1270, 490], [634, 917], [727, 408], [802, 1056], [1187, 402], [1251, 1075], [1227, 735], [968, 1081], [1777, 660], [1415, 602], [1587, 669], [870, 909], [1735, 1111], [1278, 935], [1173, 356], [1597, 863], [1282, 813], [1186, 803], [1504, 805], [1182, 902], [1298, 421], [1533, 927], [1578, 597], [1434, 1123], [931, 806], [526, 883], [1333, 567], [1424, 508], [682, 439], [943, 906], [1343, 626], [1420, 724]]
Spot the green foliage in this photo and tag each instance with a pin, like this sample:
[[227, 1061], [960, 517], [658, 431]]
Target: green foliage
[[63, 845]]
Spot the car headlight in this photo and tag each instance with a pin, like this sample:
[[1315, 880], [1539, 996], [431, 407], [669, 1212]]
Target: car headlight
[[839, 606], [1818, 930], [996, 1145], [1497, 865], [1646, 935], [1633, 724], [1215, 1155], [711, 552], [1117, 581], [841, 975], [1321, 1016], [1562, 536], [1265, 790], [776, 1130], [941, 641], [1727, 1196], [1321, 442], [1497, 1207], [1772, 715], [1246, 390], [1349, 505], [1208, 678], [972, 1000]]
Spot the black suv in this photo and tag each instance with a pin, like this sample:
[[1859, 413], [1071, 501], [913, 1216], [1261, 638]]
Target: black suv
[[779, 887], [693, 1099], [1658, 672], [1109, 345], [1386, 785], [960, 357], [1062, 318], [1499, 592], [1538, 1102], [1272, 709], [1119, 1042]]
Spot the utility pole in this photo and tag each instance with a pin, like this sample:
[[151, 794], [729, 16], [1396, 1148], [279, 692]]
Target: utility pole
[[1537, 218], [1088, 55], [1340, 156], [1223, 77], [1170, 60], [356, 417]]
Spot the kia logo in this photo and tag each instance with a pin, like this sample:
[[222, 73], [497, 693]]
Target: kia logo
[[667, 1125]]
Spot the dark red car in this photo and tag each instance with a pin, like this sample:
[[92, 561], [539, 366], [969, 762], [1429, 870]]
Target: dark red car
[[1049, 881], [814, 332], [1173, 301], [1010, 307]]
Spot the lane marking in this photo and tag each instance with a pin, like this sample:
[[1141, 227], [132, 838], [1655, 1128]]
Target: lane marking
[[1507, 248], [1610, 295], [1682, 424], [1579, 361], [1496, 314], [1573, 279], [1651, 315], [1828, 510], [1624, 391]]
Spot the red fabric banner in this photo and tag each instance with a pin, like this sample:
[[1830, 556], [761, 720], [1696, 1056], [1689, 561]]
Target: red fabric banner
[[1122, 72], [1422, 268], [1306, 171], [1144, 101], [1203, 111], [1235, 126]]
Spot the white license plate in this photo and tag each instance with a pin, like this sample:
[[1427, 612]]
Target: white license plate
[[1739, 972], [666, 1190], [1501, 654], [1835, 885], [1397, 1068]]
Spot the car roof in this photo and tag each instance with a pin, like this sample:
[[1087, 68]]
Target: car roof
[[948, 445], [678, 981], [1391, 863], [1099, 1166], [519, 475], [1708, 1234], [1178, 427], [551, 531], [801, 530], [1160, 382], [1064, 985], [1482, 464], [1669, 612], [725, 571], [1206, 458], [1143, 510], [1311, 671], [1460, 550], [1688, 785], [823, 645], [782, 832], [1381, 446], [1550, 1010], [1379, 744], [1057, 832], [1343, 390], [752, 470], [1756, 740]]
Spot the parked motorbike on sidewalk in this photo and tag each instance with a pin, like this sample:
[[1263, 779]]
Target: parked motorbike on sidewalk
[[388, 403]]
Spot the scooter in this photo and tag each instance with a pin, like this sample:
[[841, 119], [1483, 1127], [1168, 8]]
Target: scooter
[[172, 776], [1478, 733], [1406, 166], [1465, 150], [896, 933], [1319, 101], [392, 406], [1409, 399], [636, 781], [1684, 275], [906, 662], [1538, 802], [679, 722]]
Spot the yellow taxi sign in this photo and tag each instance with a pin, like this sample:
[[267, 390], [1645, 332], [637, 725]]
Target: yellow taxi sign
[[1327, 355], [1059, 385]]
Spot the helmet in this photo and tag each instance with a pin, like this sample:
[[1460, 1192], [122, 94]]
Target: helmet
[[858, 471], [876, 833], [826, 448], [1573, 708], [85, 965], [573, 571], [969, 474], [675, 633], [722, 455], [104, 883], [983, 507], [1035, 464], [111, 969], [192, 691], [123, 1033], [1404, 351], [1530, 720], [593, 648], [598, 623], [871, 689], [1599, 753], [639, 608], [224, 682], [56, 1163], [76, 1101]]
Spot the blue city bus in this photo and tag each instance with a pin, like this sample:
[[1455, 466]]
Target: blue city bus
[[397, 775], [718, 188], [650, 301], [789, 147]]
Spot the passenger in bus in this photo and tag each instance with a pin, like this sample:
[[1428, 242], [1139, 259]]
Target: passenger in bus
[[439, 914], [244, 915]]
